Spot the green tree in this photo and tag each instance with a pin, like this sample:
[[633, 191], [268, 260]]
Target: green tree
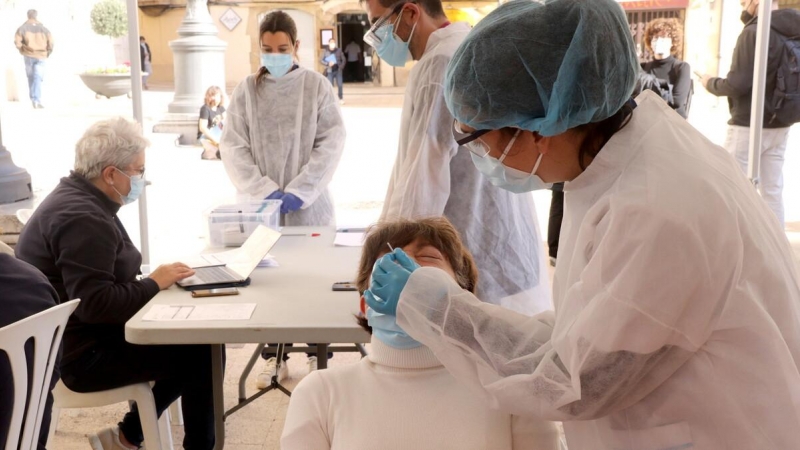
[[110, 18]]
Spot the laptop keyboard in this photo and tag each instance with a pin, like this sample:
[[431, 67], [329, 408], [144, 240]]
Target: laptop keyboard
[[210, 275]]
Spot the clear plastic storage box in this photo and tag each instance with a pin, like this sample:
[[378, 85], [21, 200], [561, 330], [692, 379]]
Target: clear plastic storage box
[[230, 225]]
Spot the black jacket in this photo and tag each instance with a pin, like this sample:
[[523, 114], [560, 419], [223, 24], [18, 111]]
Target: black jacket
[[77, 241], [341, 61], [145, 55], [738, 85], [679, 74]]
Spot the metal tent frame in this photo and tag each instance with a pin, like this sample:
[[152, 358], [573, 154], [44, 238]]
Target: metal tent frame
[[136, 96]]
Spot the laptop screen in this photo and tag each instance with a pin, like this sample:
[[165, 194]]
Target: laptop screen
[[254, 250]]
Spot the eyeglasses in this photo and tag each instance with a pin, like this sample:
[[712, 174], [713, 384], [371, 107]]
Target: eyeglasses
[[471, 140], [376, 34], [135, 172]]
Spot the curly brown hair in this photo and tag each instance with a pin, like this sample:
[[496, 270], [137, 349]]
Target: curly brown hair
[[435, 231], [670, 28]]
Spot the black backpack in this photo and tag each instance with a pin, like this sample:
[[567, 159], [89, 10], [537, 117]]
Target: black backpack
[[784, 105]]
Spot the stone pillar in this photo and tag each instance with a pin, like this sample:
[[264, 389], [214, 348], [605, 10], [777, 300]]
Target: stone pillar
[[199, 57], [15, 182]]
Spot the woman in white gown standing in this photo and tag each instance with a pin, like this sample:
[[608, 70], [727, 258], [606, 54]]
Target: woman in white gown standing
[[283, 139], [284, 134]]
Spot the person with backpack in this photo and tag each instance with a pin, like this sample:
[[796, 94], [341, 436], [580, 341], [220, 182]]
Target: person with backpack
[[35, 44], [782, 105], [663, 39]]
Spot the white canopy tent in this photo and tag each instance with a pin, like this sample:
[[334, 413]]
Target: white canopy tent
[[756, 121]]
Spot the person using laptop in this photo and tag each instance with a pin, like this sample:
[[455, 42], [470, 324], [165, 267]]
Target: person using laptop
[[76, 239], [343, 407]]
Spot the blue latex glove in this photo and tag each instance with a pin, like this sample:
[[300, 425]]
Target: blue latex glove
[[290, 203], [389, 276], [277, 195]]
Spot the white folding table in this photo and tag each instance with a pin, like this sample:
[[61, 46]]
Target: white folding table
[[294, 303]]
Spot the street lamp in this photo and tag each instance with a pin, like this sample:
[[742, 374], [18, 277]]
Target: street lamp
[[15, 182]]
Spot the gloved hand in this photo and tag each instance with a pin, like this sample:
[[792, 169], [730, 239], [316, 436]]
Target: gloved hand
[[277, 195], [290, 203], [389, 276]]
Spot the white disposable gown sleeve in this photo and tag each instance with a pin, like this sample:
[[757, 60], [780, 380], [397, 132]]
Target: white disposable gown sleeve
[[422, 181], [237, 153], [644, 303], [315, 176]]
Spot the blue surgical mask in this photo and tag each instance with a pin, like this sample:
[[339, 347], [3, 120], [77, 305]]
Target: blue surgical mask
[[391, 49], [508, 178], [278, 64], [137, 186], [386, 330]]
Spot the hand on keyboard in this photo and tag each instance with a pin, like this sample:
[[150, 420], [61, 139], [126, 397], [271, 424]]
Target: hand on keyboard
[[168, 274]]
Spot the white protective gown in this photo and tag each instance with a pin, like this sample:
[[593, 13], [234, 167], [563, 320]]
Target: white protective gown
[[677, 307], [287, 134], [432, 176]]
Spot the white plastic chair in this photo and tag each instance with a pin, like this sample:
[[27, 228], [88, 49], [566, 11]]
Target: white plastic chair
[[157, 432], [46, 329], [23, 215]]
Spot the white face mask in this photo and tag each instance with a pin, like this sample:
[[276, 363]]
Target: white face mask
[[662, 46], [508, 178]]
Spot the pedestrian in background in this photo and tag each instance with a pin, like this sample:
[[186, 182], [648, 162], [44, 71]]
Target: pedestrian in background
[[738, 87], [35, 44], [664, 39], [353, 51], [334, 62], [146, 56], [212, 119]]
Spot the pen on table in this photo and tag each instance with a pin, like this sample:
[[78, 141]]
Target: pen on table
[[302, 234], [351, 230]]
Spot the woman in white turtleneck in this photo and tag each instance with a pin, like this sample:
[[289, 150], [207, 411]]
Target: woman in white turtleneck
[[400, 396]]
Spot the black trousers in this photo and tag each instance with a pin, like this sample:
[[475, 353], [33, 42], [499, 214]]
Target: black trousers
[[178, 371], [556, 216], [7, 397]]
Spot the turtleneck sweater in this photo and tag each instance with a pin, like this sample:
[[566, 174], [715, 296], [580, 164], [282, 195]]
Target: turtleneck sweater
[[401, 400], [679, 74]]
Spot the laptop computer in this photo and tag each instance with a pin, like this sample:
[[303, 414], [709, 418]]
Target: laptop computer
[[239, 264]]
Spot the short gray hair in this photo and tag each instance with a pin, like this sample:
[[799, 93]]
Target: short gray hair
[[32, 14], [113, 142]]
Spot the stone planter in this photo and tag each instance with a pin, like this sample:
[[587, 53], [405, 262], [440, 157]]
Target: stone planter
[[108, 85]]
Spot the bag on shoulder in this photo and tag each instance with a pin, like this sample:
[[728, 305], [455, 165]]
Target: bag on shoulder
[[784, 104]]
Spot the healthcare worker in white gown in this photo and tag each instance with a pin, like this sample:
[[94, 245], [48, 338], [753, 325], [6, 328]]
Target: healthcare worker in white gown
[[677, 307], [284, 134], [433, 176]]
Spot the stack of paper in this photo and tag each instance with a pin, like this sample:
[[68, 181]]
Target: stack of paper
[[213, 311], [349, 240]]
